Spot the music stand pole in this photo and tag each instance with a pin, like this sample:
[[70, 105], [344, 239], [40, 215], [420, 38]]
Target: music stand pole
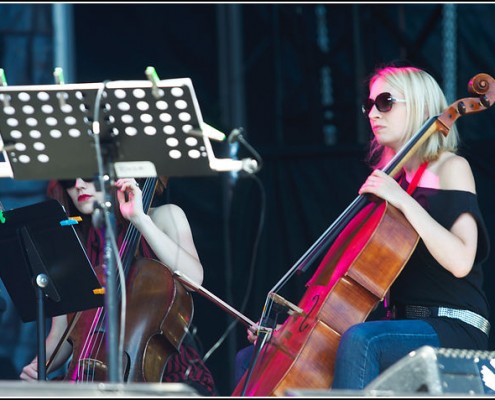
[[112, 328], [105, 181], [44, 286], [41, 282]]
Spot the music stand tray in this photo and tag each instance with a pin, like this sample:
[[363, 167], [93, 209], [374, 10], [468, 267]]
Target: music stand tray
[[75, 286]]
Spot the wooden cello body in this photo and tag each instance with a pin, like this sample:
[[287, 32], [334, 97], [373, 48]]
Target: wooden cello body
[[159, 311], [344, 290], [367, 253]]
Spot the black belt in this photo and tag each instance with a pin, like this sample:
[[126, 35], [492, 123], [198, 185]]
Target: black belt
[[416, 312]]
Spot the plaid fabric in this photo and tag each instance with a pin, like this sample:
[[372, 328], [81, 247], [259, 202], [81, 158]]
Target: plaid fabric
[[187, 366]]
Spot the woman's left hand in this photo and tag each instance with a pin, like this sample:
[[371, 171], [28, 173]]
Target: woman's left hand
[[382, 185]]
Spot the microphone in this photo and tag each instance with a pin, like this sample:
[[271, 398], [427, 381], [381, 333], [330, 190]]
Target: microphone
[[235, 136], [248, 165]]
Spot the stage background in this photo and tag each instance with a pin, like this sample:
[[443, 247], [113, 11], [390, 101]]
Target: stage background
[[293, 77]]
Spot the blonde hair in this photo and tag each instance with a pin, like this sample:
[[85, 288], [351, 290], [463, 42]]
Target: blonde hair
[[425, 99]]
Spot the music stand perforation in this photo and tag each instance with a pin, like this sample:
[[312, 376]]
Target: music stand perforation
[[163, 138]]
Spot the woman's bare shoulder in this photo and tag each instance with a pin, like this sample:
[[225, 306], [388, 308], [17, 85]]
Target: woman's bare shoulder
[[455, 173]]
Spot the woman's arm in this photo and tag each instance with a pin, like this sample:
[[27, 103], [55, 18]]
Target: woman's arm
[[169, 234], [166, 229], [59, 325], [454, 249]]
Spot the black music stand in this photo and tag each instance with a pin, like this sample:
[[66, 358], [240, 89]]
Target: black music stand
[[146, 129], [158, 123], [45, 268]]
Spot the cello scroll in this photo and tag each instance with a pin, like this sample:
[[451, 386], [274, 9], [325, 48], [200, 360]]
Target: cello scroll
[[482, 85]]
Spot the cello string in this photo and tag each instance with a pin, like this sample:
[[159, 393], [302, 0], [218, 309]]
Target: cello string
[[92, 342], [400, 157], [131, 232], [96, 342], [86, 349]]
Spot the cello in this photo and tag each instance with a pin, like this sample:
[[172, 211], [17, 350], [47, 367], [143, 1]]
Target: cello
[[151, 338], [351, 278]]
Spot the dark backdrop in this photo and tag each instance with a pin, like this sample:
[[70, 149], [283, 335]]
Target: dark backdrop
[[303, 69]]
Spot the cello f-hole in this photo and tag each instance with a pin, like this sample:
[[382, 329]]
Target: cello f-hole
[[304, 321]]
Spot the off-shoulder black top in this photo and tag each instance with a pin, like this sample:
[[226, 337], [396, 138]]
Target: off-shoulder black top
[[423, 281]]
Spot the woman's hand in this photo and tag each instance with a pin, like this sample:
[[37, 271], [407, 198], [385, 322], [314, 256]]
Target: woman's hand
[[382, 185], [252, 333], [130, 198], [30, 371]]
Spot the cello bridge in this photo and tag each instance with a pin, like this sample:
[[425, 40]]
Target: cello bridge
[[92, 370]]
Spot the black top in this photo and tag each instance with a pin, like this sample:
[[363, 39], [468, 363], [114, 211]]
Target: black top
[[423, 281]]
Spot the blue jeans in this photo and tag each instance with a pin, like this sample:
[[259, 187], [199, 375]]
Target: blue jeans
[[242, 362], [367, 349]]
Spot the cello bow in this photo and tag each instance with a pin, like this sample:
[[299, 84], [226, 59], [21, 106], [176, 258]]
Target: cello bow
[[213, 298]]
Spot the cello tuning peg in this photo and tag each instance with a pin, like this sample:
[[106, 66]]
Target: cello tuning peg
[[485, 101], [461, 107]]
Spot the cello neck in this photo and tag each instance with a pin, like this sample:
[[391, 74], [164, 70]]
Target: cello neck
[[404, 154], [132, 236], [392, 168]]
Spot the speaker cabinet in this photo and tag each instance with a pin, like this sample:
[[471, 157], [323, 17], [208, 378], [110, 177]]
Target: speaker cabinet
[[432, 371], [439, 370]]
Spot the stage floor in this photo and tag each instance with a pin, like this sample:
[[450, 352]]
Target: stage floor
[[69, 389]]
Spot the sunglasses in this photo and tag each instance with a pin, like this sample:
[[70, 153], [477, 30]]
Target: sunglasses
[[70, 183], [383, 102]]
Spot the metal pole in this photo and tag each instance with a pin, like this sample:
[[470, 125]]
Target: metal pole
[[449, 59], [232, 98], [63, 39]]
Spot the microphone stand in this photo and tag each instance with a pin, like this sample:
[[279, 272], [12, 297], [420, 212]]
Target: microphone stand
[[115, 373], [111, 301]]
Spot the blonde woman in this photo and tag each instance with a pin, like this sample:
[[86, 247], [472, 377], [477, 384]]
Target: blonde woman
[[438, 299]]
